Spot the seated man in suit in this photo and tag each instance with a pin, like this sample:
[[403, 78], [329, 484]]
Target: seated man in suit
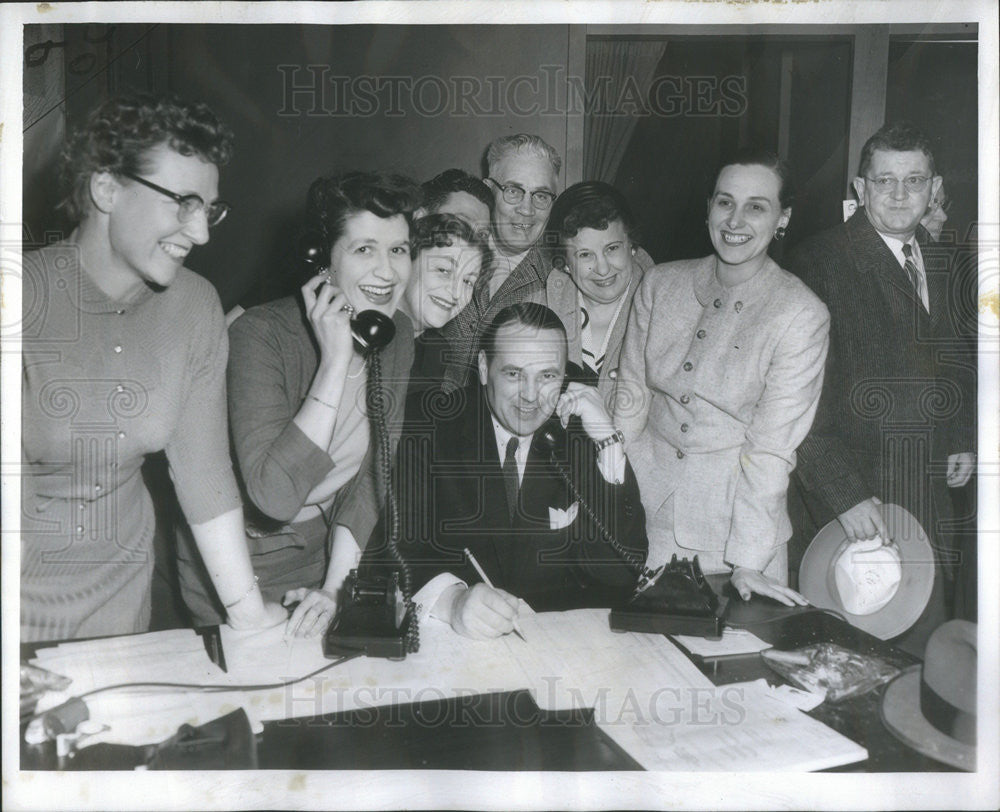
[[475, 471]]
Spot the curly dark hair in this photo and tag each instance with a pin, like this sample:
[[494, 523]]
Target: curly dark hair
[[118, 135], [333, 198], [588, 204], [437, 189], [440, 230]]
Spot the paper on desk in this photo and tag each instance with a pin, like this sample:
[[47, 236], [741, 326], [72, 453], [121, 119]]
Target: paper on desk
[[137, 716], [734, 641], [739, 727], [446, 665], [177, 656], [573, 660]]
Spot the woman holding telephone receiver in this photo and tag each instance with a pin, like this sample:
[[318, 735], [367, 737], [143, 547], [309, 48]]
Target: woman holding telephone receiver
[[304, 416]]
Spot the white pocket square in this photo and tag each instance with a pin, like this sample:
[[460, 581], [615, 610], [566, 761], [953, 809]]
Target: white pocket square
[[563, 518]]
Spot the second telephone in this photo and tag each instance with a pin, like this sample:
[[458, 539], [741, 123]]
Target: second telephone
[[676, 598]]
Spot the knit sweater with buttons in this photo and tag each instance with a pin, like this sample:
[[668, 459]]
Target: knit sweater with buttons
[[105, 383]]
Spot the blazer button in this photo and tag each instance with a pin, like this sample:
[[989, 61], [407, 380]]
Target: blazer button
[[685, 399], [680, 454], [738, 306], [717, 303], [688, 366], [700, 334], [613, 374], [684, 427]]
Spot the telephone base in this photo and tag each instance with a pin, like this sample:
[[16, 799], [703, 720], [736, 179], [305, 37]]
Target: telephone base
[[345, 641], [708, 625]]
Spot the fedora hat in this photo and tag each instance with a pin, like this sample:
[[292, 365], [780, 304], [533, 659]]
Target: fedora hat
[[932, 708], [881, 588]]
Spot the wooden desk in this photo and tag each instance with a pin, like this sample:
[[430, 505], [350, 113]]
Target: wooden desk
[[507, 731]]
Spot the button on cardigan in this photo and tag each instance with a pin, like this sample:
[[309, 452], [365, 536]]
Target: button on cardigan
[[717, 387]]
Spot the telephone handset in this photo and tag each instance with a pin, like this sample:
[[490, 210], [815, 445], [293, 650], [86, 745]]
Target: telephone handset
[[676, 598], [372, 329]]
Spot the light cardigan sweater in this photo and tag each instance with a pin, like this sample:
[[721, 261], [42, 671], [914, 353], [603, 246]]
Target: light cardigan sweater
[[717, 387], [106, 382]]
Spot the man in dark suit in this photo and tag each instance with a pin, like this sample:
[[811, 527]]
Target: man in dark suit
[[523, 173], [894, 422], [475, 472]]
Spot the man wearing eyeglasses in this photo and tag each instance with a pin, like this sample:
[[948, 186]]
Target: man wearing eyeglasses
[[895, 422], [523, 172]]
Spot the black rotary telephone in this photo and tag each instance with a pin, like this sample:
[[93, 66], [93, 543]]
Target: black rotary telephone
[[676, 598], [372, 329]]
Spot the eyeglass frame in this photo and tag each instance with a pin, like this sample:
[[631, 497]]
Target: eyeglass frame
[[513, 186], [880, 184], [181, 201]]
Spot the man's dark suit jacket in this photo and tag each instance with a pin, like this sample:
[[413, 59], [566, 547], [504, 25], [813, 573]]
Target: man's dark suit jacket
[[899, 391], [451, 496]]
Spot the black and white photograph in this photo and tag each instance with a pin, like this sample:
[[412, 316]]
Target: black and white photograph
[[558, 405]]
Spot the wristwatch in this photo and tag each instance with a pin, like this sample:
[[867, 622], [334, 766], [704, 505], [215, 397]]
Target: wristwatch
[[617, 437]]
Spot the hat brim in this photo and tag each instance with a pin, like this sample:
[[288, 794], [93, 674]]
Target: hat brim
[[900, 711], [916, 562]]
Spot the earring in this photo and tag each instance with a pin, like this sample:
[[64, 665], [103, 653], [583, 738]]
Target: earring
[[779, 233]]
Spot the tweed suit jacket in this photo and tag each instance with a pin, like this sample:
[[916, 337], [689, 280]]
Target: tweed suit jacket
[[451, 496], [716, 389], [898, 397], [526, 283]]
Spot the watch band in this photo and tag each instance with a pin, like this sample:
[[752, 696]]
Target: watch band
[[617, 437]]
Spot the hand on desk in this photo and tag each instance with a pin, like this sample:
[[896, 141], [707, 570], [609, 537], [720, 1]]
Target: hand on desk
[[479, 611], [315, 611], [746, 582]]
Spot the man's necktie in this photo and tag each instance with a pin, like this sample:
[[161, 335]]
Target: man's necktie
[[510, 482], [910, 266]]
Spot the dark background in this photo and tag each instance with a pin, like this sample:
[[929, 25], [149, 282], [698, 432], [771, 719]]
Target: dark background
[[282, 144]]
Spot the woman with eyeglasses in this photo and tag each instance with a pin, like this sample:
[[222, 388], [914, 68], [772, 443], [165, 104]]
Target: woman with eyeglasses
[[597, 267], [124, 354], [310, 421], [720, 377]]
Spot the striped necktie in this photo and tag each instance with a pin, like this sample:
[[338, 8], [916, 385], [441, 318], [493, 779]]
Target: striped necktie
[[910, 266]]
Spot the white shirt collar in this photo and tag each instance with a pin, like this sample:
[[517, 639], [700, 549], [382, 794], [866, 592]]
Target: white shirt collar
[[523, 446]]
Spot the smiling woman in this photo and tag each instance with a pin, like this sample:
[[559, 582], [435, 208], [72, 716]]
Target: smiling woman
[[720, 378], [124, 354], [299, 405]]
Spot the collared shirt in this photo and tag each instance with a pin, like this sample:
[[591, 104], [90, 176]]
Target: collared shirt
[[610, 460], [523, 447], [895, 245]]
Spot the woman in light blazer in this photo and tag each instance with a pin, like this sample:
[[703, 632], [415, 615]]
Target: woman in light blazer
[[720, 376], [596, 269]]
